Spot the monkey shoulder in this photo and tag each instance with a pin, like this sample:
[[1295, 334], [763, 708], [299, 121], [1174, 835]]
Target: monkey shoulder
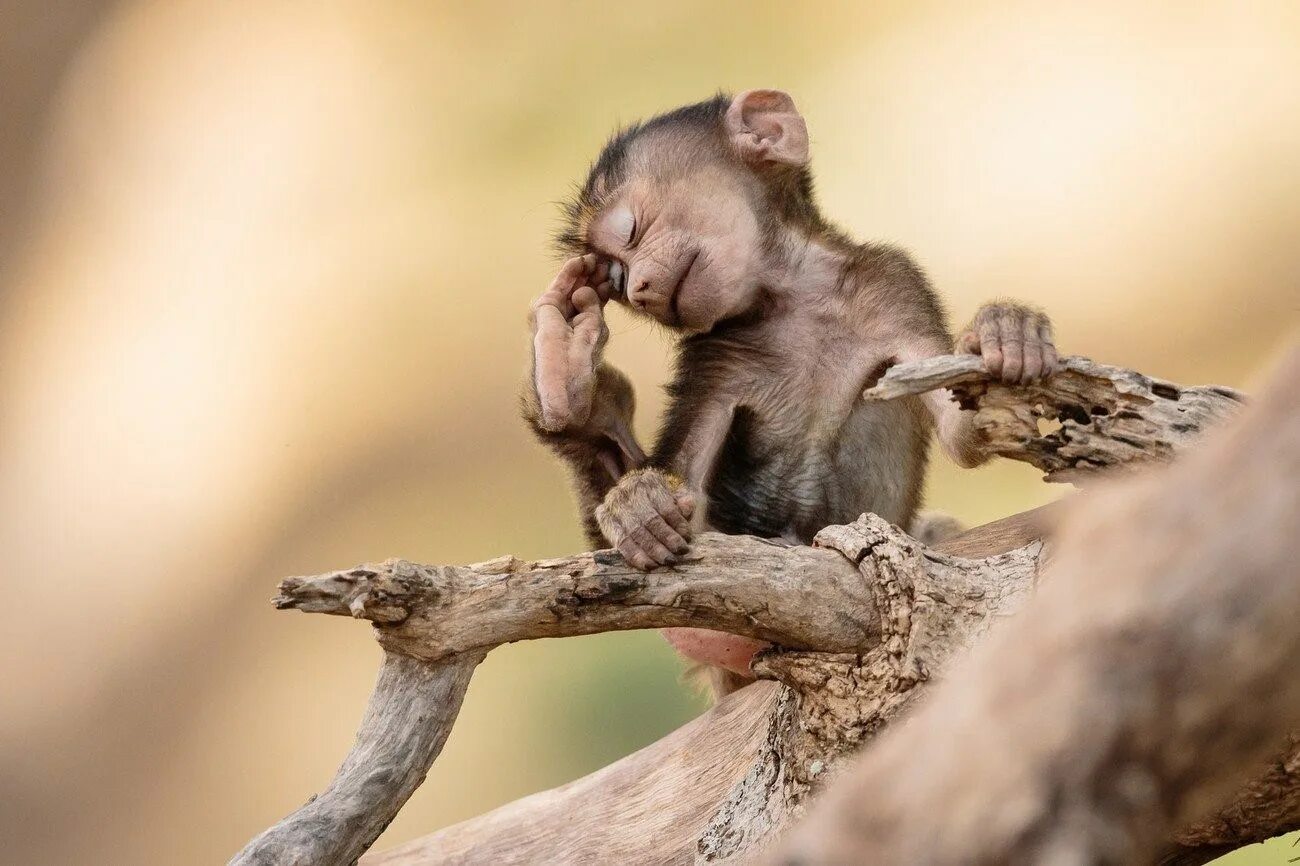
[[889, 295]]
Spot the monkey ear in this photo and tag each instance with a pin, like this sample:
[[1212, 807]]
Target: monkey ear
[[764, 126]]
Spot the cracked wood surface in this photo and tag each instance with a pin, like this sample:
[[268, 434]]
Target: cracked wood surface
[[794, 596], [1086, 418], [870, 627], [716, 787], [1152, 671]]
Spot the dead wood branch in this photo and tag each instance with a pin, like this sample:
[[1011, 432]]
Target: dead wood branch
[[794, 596], [411, 712], [1107, 416], [657, 804], [864, 628], [1154, 669]]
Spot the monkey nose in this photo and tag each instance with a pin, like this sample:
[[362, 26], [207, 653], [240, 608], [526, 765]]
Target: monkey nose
[[637, 294]]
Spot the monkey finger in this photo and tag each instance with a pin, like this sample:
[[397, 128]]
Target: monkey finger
[[1050, 359], [634, 556], [1032, 370], [968, 343], [555, 300], [678, 519], [686, 504], [569, 278], [666, 535], [586, 300], [666, 503], [1011, 335], [651, 546], [991, 345], [550, 380]]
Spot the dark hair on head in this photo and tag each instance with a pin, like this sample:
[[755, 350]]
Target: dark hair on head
[[789, 189]]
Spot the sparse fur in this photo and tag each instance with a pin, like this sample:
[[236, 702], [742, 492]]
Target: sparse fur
[[711, 213]]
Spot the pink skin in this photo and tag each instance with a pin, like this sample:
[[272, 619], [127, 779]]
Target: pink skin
[[690, 261], [715, 648]]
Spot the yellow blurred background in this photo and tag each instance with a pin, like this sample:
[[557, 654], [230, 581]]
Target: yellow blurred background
[[265, 268]]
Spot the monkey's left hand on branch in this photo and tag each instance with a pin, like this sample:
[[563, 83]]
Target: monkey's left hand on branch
[[647, 517], [1014, 340]]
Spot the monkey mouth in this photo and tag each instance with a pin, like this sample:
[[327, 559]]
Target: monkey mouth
[[674, 313]]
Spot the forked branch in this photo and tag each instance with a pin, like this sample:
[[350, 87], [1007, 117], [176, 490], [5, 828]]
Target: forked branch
[[864, 626]]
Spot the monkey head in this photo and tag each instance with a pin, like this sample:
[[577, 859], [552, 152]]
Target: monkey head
[[691, 206]]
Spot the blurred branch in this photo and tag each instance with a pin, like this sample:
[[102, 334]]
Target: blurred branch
[[411, 712], [862, 630]]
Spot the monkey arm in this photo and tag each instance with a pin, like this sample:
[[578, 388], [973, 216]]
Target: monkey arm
[[954, 428], [694, 434], [597, 452]]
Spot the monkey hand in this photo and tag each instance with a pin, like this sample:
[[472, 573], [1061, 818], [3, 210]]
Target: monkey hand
[[569, 333], [1014, 340], [647, 516]]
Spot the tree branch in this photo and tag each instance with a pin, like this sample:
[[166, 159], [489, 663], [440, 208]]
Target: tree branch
[[1153, 669], [411, 712], [1086, 418], [864, 629], [794, 596]]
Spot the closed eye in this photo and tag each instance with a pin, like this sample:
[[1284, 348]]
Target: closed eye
[[622, 224]]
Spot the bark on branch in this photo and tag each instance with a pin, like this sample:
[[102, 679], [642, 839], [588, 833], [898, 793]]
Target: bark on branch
[[1156, 666], [793, 596], [1087, 418], [864, 628]]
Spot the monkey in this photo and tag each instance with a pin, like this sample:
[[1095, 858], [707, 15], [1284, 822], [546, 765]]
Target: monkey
[[704, 220]]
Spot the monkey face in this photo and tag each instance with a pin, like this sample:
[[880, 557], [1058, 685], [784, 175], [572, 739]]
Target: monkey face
[[687, 249]]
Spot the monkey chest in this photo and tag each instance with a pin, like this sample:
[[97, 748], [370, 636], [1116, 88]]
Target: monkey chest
[[808, 452]]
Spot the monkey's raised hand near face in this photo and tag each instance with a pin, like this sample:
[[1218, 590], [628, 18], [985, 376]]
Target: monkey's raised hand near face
[[569, 333], [578, 405], [1015, 341]]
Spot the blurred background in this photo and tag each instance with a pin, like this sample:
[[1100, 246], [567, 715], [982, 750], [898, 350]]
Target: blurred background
[[264, 271]]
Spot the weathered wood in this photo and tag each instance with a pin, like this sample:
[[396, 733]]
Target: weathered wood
[[1154, 669], [411, 712], [1086, 418], [791, 595], [680, 798], [651, 806], [862, 630], [1266, 806]]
